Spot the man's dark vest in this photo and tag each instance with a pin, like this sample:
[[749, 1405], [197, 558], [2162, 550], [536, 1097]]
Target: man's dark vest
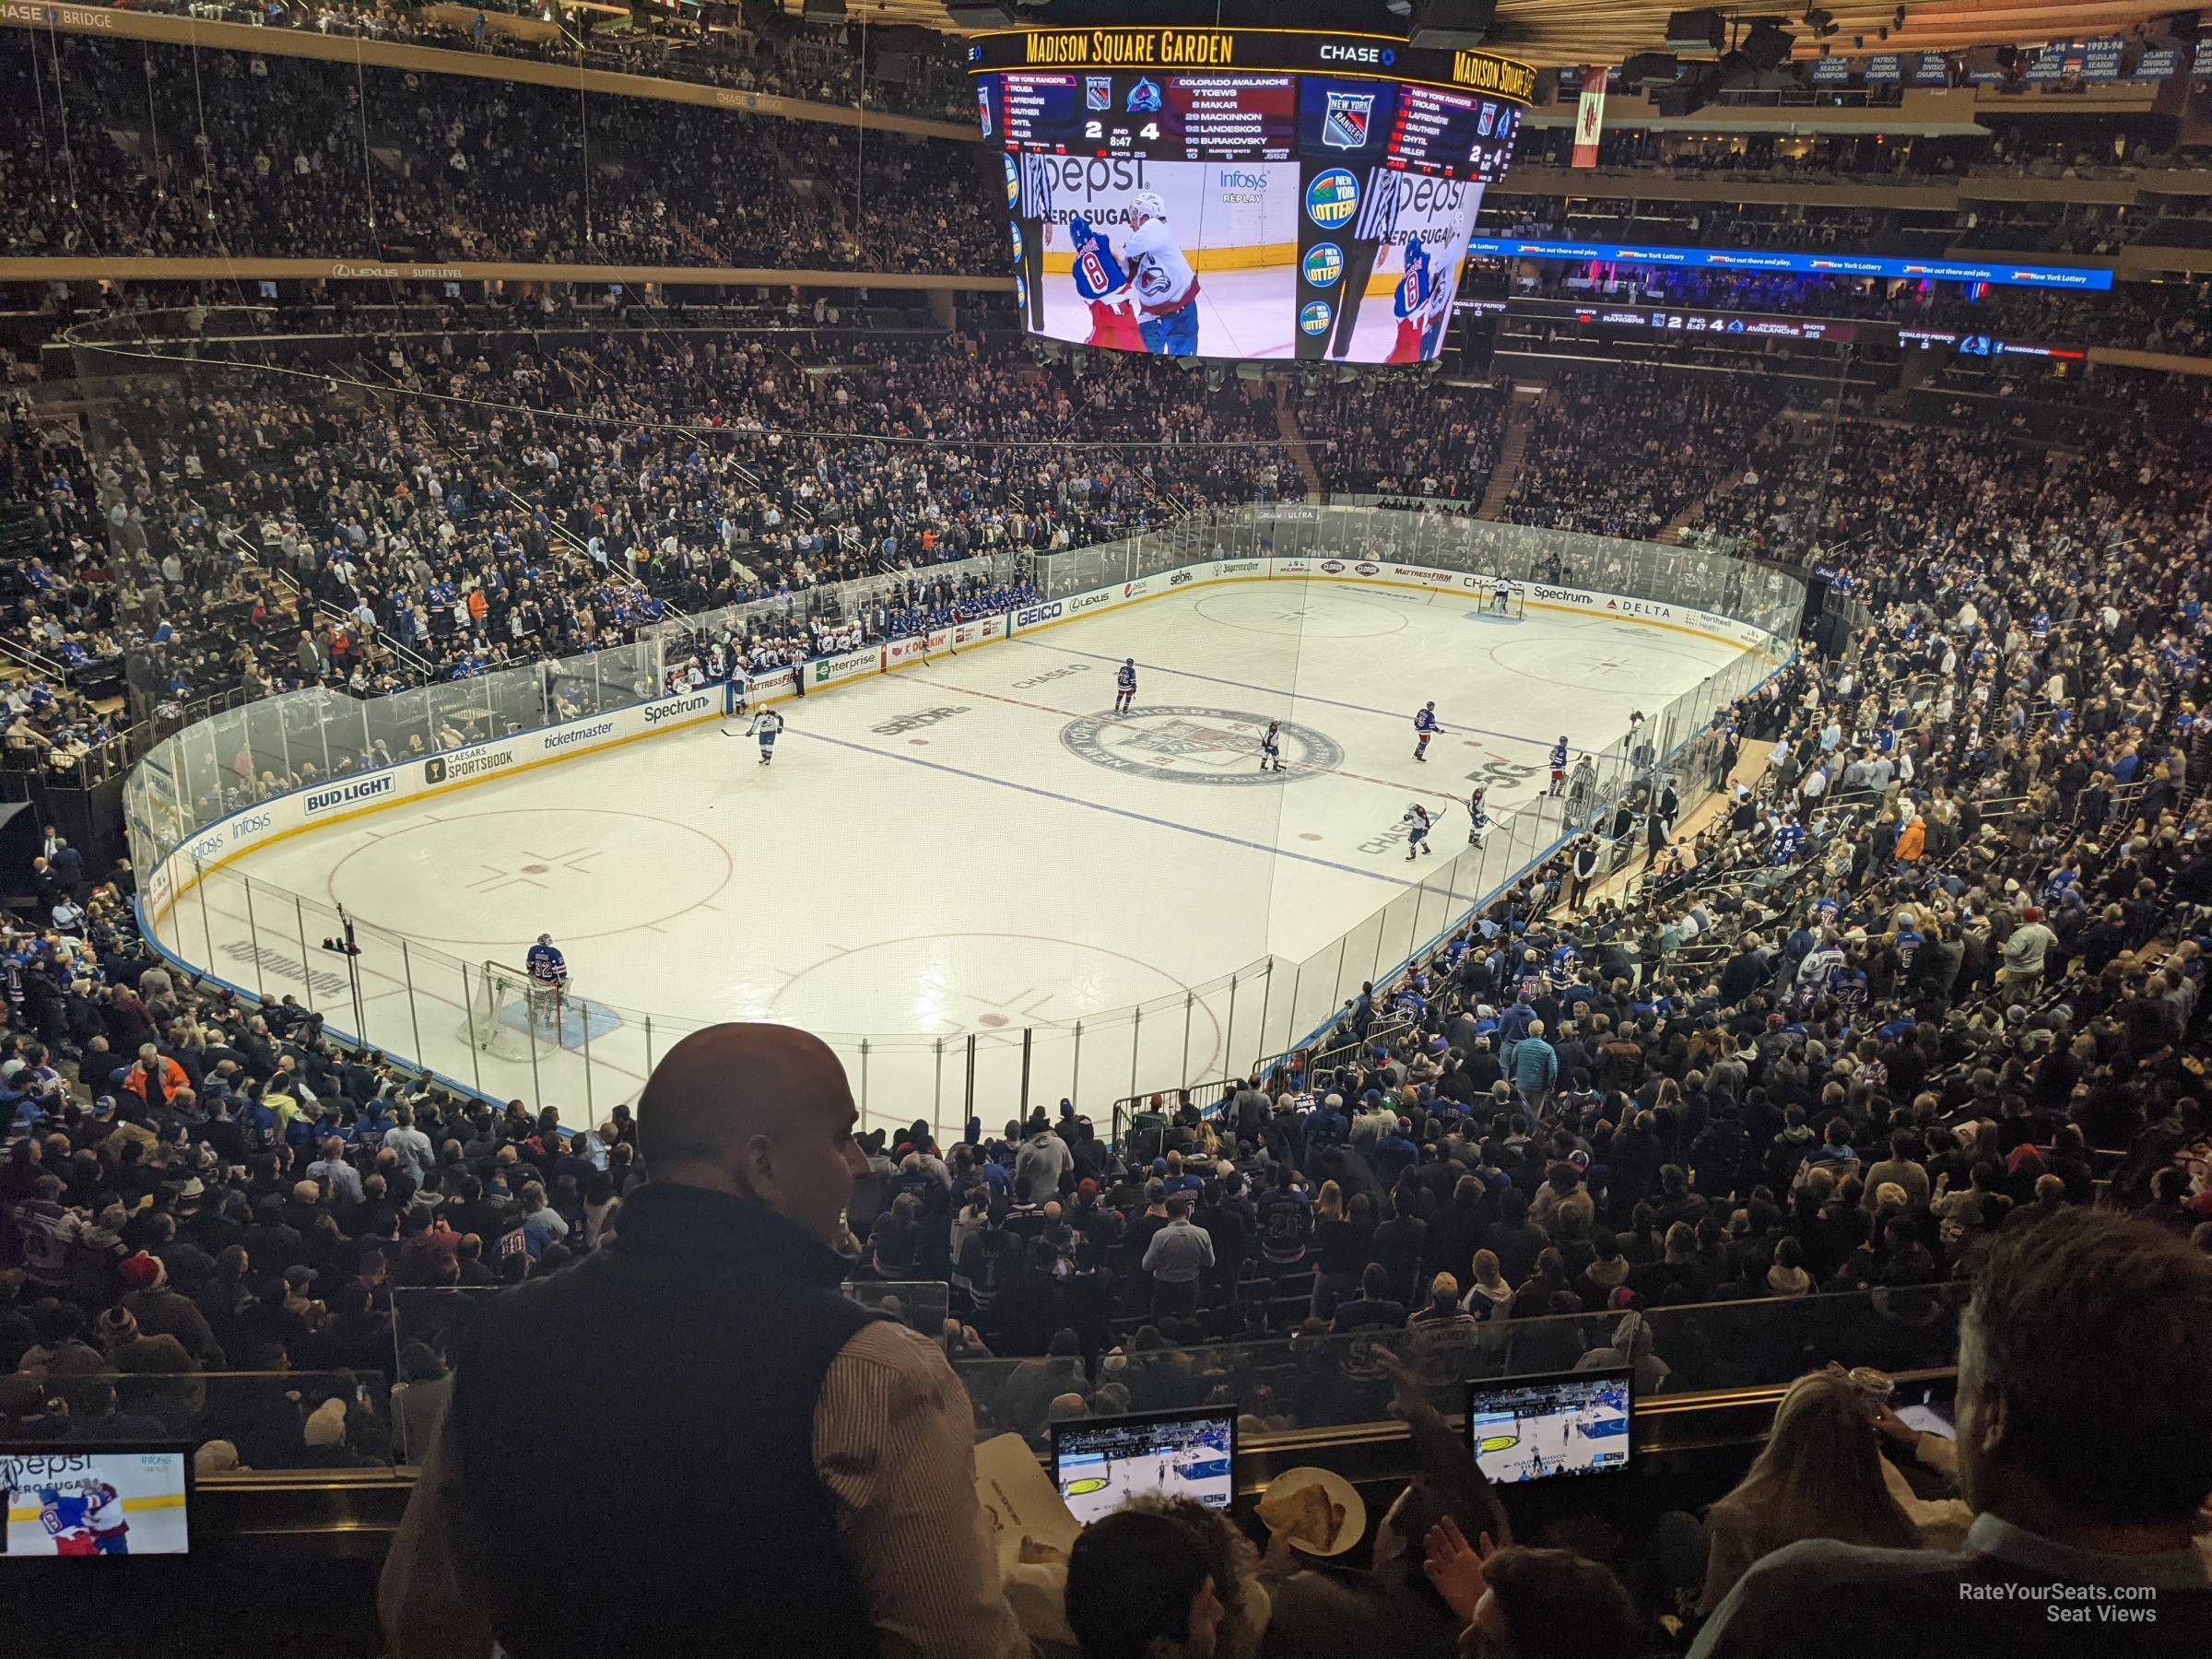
[[636, 1436]]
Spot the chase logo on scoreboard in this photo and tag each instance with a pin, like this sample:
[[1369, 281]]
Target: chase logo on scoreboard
[[1332, 198], [1324, 265], [1187, 744], [1314, 316], [1345, 121]]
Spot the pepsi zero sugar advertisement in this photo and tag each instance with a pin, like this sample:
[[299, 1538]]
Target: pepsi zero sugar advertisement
[[1256, 207]]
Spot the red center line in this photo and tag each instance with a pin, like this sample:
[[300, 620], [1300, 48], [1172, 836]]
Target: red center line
[[1218, 739]]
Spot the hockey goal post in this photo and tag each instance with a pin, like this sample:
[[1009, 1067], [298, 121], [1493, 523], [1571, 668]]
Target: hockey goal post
[[512, 1016], [1516, 601]]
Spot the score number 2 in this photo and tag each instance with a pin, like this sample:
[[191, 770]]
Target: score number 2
[[1149, 132]]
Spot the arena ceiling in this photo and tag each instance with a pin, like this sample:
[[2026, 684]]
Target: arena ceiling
[[1550, 34]]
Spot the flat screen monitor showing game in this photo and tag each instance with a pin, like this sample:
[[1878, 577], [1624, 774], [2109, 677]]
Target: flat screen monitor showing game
[[69, 1500], [1539, 1428], [1100, 1464]]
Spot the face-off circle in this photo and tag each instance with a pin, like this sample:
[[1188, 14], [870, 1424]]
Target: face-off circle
[[1185, 743]]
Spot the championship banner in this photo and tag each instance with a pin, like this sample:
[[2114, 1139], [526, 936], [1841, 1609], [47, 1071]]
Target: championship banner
[[1590, 117]]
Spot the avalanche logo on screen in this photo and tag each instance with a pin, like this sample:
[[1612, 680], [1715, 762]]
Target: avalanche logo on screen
[[1144, 98], [1333, 198], [1314, 316], [1323, 263], [1013, 182]]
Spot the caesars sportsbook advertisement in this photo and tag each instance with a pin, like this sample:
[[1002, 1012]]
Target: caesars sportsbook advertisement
[[1242, 192]]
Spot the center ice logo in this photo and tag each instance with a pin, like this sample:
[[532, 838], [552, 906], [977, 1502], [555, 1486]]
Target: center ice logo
[[1324, 265], [1187, 744], [1332, 198]]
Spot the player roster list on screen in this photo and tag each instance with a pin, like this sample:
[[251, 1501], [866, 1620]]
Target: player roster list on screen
[[1243, 193]]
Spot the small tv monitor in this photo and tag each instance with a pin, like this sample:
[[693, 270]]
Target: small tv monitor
[[1544, 1426], [65, 1500], [1100, 1464]]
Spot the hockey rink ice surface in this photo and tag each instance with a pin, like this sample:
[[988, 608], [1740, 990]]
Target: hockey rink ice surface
[[967, 845]]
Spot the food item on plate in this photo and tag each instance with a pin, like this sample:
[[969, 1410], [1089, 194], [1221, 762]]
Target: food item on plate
[[1302, 1514]]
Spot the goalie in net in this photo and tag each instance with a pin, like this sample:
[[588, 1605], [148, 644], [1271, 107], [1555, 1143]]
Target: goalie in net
[[514, 1012], [1508, 597]]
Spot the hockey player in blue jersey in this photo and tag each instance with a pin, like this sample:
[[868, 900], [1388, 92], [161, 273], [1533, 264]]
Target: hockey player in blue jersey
[[549, 972], [1103, 285], [63, 1515], [1558, 765], [1424, 728], [545, 963], [1124, 686], [1410, 301]]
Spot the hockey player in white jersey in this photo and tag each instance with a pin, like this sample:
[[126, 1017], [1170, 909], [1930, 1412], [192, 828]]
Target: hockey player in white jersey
[[1271, 746], [1479, 817], [766, 726], [1167, 288], [1417, 834]]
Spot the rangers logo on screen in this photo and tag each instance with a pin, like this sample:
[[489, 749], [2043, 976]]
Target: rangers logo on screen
[[1332, 198], [1343, 124], [1098, 92], [982, 105]]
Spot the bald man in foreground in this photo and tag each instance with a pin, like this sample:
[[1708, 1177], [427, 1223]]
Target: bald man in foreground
[[691, 1443]]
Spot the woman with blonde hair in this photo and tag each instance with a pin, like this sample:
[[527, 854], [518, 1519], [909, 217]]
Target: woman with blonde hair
[[1820, 1475], [1329, 1203], [1489, 1297]]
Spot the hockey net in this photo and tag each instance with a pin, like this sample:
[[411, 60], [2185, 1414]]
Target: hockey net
[[1514, 605], [513, 1016]]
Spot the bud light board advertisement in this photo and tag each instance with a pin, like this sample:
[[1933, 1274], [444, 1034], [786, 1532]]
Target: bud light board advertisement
[[1300, 197]]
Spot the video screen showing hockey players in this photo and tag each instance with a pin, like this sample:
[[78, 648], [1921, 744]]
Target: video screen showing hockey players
[[1536, 1428], [1174, 258], [1101, 1464], [1242, 214], [93, 1500]]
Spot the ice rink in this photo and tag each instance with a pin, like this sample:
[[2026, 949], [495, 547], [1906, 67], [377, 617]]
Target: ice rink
[[974, 846]]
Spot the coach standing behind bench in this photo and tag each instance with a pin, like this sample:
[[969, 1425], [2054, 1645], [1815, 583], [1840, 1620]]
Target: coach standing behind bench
[[691, 1443]]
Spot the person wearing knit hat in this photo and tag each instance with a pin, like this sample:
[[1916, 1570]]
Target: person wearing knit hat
[[142, 1272]]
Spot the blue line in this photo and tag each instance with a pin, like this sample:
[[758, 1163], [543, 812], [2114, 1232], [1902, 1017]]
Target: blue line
[[1542, 743], [1051, 795]]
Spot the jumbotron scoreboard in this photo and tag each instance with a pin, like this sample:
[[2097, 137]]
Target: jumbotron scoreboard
[[1242, 192]]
